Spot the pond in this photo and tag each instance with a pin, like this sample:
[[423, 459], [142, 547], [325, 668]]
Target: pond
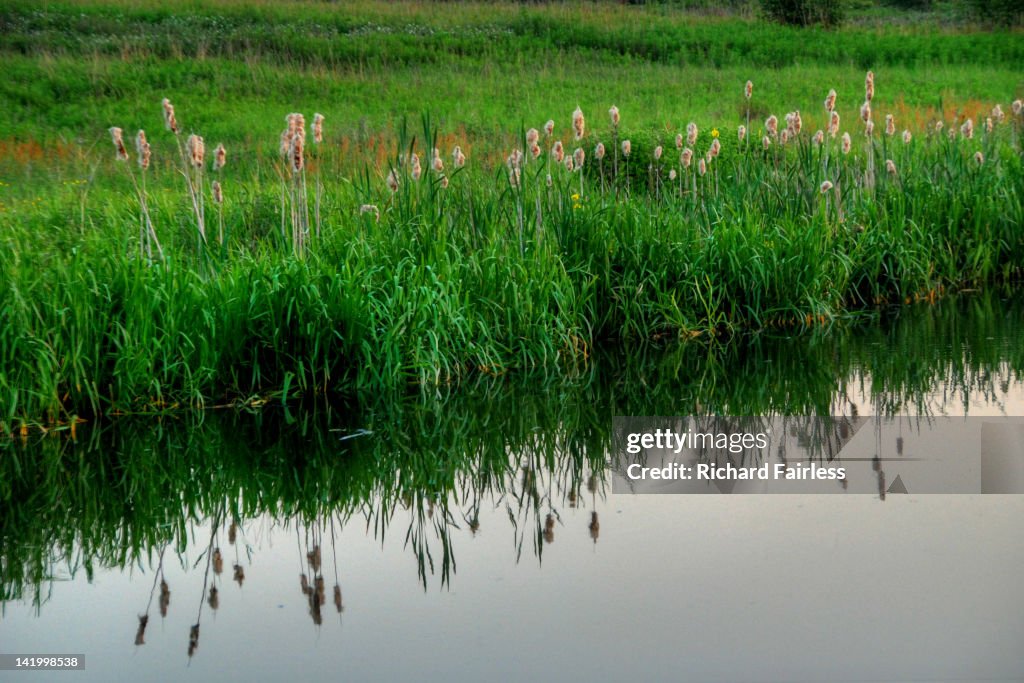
[[474, 534]]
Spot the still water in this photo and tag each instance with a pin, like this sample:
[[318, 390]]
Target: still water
[[474, 535]]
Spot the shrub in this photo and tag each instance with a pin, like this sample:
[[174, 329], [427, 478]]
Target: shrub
[[1004, 12], [804, 12]]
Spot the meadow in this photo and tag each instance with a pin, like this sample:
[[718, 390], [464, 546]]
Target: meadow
[[343, 268]]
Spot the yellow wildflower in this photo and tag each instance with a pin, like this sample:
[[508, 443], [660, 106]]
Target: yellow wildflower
[[714, 132]]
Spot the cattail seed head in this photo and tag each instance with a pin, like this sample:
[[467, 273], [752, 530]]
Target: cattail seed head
[[196, 150], [679, 140], [819, 137], [142, 149], [979, 158], [1017, 107], [833, 124], [169, 121], [513, 176], [535, 151], [672, 174], [741, 133], [578, 123], [702, 167], [830, 101], [557, 152], [715, 149], [117, 137], [951, 133], [988, 124], [939, 125], [847, 143], [392, 181], [997, 114], [658, 152], [771, 124], [890, 125], [784, 136], [568, 163], [296, 154], [458, 158], [967, 130], [907, 137], [218, 193], [444, 182], [869, 128], [532, 136], [549, 128], [318, 128], [627, 147], [865, 111], [437, 163], [599, 151], [220, 157], [766, 142], [890, 166], [826, 186], [371, 208], [748, 90], [613, 114], [686, 157], [869, 86], [578, 157], [691, 134]]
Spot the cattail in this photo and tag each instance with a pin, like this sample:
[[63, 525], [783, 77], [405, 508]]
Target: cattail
[[437, 164], [568, 163], [196, 150], [594, 527], [869, 86], [578, 125], [140, 634], [218, 561], [890, 166], [532, 136], [548, 180], [535, 151], [847, 143], [830, 101], [988, 124], [686, 158], [627, 147], [142, 149], [890, 125], [299, 122], [658, 152], [458, 158], [220, 157], [865, 111], [997, 114], [939, 125], [613, 113], [599, 151], [117, 136], [549, 128], [869, 128], [286, 143], [715, 149], [967, 130], [702, 167], [444, 182], [239, 575], [318, 128], [741, 133], [979, 158], [337, 599], [679, 140], [513, 176], [833, 125], [169, 120], [771, 124], [691, 134], [952, 134], [557, 152], [784, 137], [578, 157], [766, 142], [371, 208], [748, 91], [907, 137], [672, 174], [297, 153], [798, 122], [392, 181], [1017, 107], [826, 186], [819, 137], [214, 600], [218, 194]]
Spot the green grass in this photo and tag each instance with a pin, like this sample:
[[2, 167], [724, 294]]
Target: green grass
[[480, 278]]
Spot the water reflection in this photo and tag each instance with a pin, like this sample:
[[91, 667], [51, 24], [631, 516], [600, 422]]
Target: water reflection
[[211, 493]]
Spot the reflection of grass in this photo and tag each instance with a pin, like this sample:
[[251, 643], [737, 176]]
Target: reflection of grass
[[428, 466]]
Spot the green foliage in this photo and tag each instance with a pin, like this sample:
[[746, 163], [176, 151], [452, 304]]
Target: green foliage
[[1001, 12], [804, 12]]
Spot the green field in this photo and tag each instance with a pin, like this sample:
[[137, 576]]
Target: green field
[[484, 276]]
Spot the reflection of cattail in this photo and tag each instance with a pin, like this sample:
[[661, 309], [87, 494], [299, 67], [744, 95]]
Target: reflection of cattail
[[220, 157], [979, 158], [337, 599], [830, 101], [613, 113], [594, 526], [232, 532], [825, 187], [890, 125], [833, 124], [766, 142], [599, 151], [196, 150], [370, 208], [314, 557], [741, 133], [214, 599], [239, 575], [578, 157], [165, 598], [691, 134], [578, 123], [890, 166], [549, 128], [869, 86], [218, 561], [140, 634], [702, 167], [686, 158], [193, 639], [557, 152], [169, 120], [318, 128], [748, 90], [117, 136], [771, 124], [819, 137], [907, 137], [549, 529], [967, 130], [847, 143], [627, 147], [142, 149]]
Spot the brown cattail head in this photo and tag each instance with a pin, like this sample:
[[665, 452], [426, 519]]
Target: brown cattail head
[[337, 599], [415, 170], [890, 125], [370, 208], [142, 149], [766, 142], [599, 151], [627, 147], [988, 124], [578, 124], [784, 136], [890, 166], [819, 137], [443, 181], [613, 114], [392, 181], [658, 151], [833, 124], [997, 114], [549, 128], [869, 128], [437, 163], [825, 187], [117, 136], [568, 163], [907, 137], [594, 527], [748, 89], [679, 140], [672, 174], [771, 124], [865, 111], [214, 599], [869, 86], [458, 158], [967, 130], [513, 175], [196, 150], [798, 122], [691, 134], [830, 101], [847, 143], [741, 133], [557, 152], [218, 194], [702, 167], [218, 561], [297, 153], [686, 158], [979, 158], [578, 156], [532, 136], [169, 121], [1017, 107], [515, 159], [220, 157], [140, 634], [715, 149], [318, 128], [939, 125], [536, 151]]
